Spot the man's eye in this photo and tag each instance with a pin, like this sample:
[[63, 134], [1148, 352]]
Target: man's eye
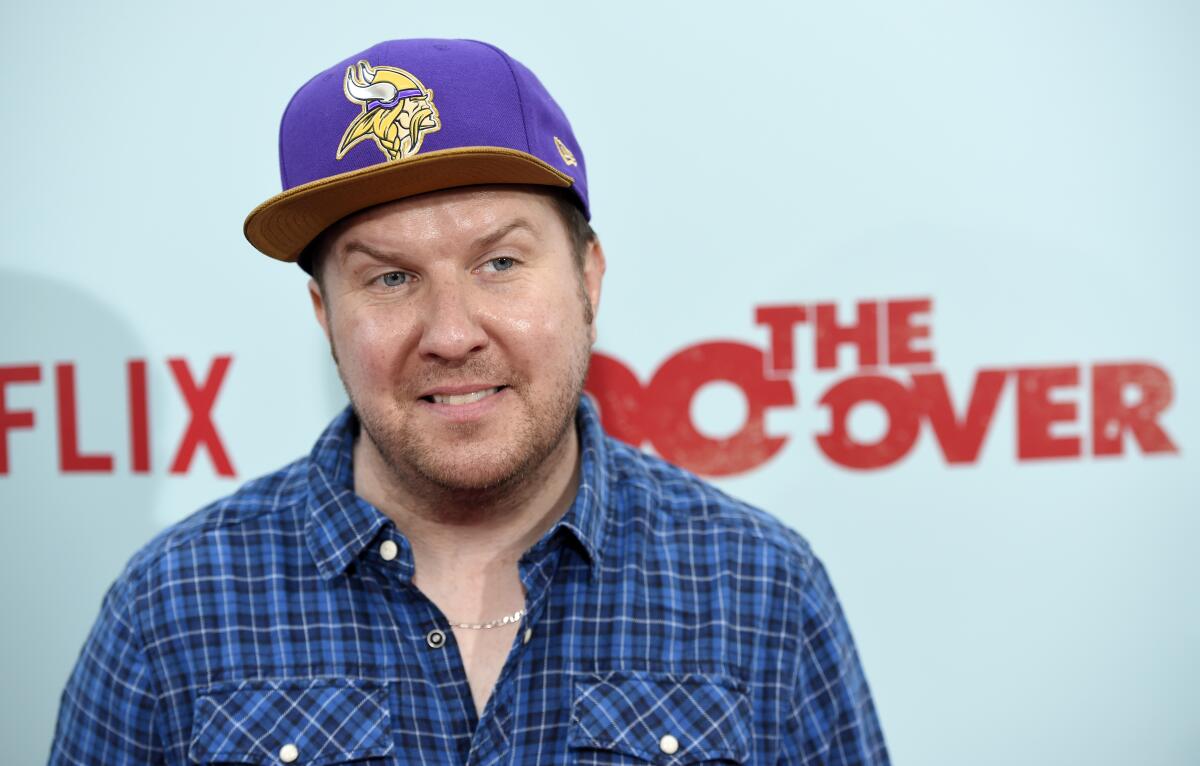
[[502, 264], [394, 278]]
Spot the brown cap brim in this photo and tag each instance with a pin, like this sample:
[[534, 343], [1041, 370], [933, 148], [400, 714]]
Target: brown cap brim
[[285, 224]]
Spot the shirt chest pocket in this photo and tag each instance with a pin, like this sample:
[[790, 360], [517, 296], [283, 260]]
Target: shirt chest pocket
[[660, 718], [304, 722]]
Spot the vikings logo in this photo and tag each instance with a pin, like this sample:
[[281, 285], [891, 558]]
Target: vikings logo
[[397, 110]]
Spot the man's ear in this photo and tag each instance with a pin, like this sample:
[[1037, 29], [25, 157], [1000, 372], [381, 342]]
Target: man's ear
[[319, 308], [593, 275]]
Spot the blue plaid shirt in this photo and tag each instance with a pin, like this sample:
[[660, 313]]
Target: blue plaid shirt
[[667, 624]]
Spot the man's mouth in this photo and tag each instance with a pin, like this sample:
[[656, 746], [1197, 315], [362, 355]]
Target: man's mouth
[[466, 398]]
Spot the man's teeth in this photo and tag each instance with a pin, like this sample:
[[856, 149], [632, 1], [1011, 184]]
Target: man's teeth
[[463, 398]]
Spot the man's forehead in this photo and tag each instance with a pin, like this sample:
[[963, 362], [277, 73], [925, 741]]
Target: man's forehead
[[465, 212]]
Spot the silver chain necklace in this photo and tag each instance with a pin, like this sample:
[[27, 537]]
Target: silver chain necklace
[[507, 619]]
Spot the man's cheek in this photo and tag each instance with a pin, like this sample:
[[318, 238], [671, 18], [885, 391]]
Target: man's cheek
[[376, 337], [367, 359], [517, 324]]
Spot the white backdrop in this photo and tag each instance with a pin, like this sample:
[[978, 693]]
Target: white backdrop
[[1026, 171]]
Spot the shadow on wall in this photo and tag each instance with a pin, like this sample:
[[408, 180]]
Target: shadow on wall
[[66, 535]]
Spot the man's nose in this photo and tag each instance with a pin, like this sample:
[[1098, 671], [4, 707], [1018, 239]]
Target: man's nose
[[451, 330]]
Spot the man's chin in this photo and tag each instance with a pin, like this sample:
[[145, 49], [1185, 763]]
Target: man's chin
[[467, 463], [469, 475], [479, 470]]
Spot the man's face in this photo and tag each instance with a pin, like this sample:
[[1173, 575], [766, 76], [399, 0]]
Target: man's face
[[460, 326]]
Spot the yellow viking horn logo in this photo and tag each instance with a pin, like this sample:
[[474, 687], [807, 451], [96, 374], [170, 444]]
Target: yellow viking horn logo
[[397, 110]]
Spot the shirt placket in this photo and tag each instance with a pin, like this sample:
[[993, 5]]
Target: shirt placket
[[443, 713], [447, 712], [491, 745]]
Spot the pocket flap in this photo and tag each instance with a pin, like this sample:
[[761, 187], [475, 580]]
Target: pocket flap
[[661, 717], [311, 721]]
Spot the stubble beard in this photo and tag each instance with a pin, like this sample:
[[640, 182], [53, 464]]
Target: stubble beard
[[425, 468]]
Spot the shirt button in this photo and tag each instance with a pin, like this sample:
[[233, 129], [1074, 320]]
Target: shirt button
[[668, 744], [388, 550], [528, 636], [288, 753], [436, 639]]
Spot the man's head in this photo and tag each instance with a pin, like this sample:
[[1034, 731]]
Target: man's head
[[436, 193], [461, 326]]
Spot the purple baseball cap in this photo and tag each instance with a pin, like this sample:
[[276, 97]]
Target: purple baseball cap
[[406, 117]]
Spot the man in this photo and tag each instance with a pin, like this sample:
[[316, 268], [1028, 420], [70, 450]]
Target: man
[[464, 569]]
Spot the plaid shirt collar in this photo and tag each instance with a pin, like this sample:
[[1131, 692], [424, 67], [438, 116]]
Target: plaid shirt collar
[[341, 524]]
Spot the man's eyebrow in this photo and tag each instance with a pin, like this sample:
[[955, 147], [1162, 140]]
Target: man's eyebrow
[[358, 246], [491, 238], [481, 243]]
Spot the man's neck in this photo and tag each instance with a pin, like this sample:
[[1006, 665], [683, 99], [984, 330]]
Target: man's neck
[[470, 532]]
